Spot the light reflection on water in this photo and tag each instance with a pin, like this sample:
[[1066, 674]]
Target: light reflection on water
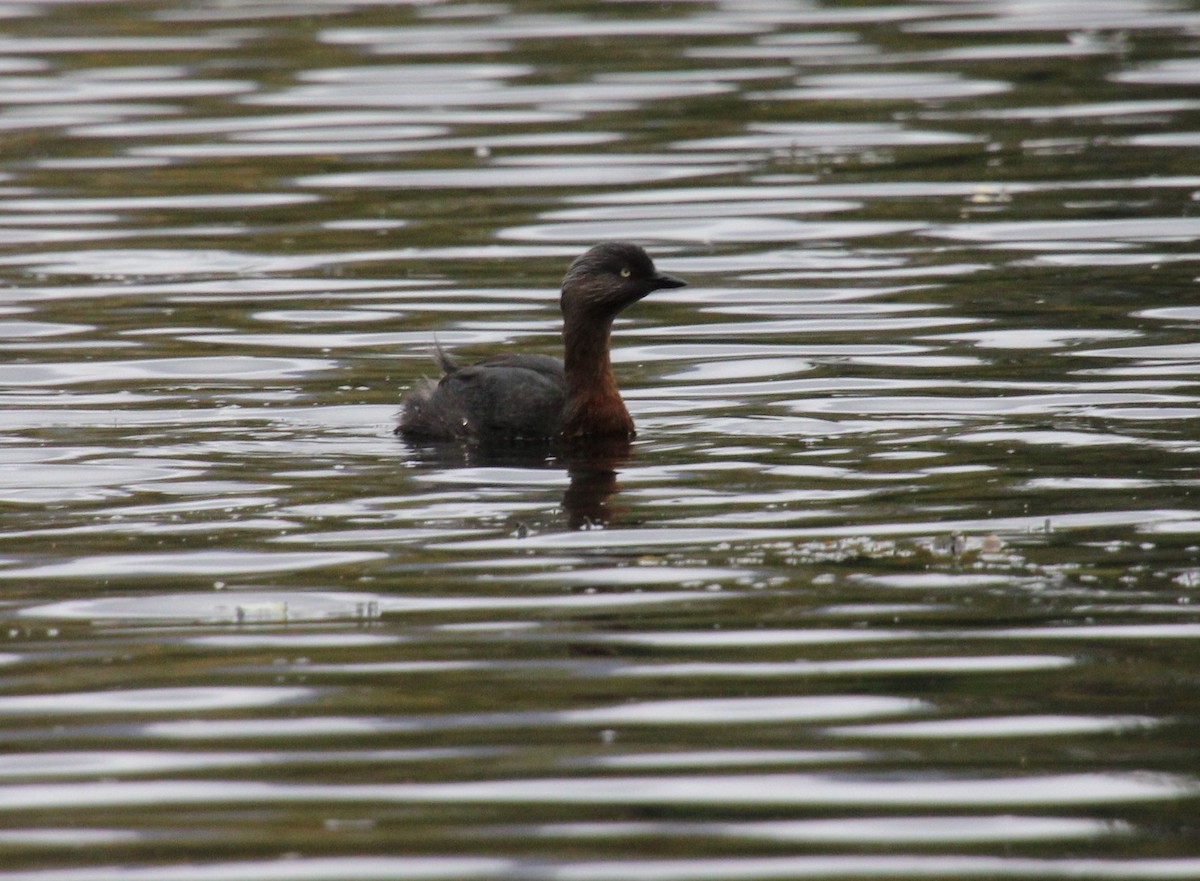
[[896, 580]]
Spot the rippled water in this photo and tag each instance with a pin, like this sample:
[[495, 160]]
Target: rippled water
[[897, 581]]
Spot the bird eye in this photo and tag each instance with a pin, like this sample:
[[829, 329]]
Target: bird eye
[[625, 272]]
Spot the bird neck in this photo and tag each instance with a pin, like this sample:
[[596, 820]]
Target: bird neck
[[594, 405]]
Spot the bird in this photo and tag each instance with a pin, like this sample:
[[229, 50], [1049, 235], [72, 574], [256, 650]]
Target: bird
[[518, 396]]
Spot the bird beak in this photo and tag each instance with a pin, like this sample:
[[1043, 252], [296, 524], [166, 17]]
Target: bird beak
[[662, 280]]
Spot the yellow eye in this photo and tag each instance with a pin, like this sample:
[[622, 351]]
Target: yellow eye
[[625, 273]]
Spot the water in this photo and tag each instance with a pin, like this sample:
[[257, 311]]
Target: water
[[897, 581]]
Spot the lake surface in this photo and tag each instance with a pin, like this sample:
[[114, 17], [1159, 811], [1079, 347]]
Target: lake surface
[[899, 579]]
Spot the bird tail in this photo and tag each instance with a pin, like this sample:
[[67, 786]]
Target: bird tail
[[444, 361]]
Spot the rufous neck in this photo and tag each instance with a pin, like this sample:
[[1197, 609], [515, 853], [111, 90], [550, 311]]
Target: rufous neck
[[586, 356], [594, 405]]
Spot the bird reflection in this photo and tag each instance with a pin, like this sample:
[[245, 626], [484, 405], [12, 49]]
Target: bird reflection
[[593, 467], [592, 464]]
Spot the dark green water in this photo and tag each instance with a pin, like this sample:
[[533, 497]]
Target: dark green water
[[897, 581]]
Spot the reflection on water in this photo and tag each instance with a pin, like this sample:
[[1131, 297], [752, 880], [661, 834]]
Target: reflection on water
[[592, 468], [896, 580]]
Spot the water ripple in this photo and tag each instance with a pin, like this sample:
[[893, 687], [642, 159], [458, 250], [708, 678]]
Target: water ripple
[[151, 700], [762, 790], [891, 86], [193, 563], [368, 868]]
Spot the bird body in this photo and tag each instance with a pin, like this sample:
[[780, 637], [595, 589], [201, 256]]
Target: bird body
[[509, 396], [515, 396]]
